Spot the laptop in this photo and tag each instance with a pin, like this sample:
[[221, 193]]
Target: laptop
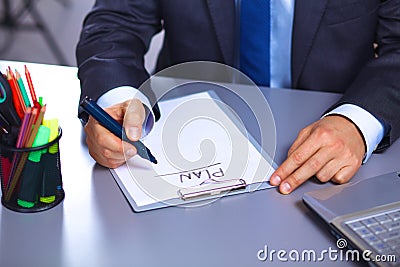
[[364, 216]]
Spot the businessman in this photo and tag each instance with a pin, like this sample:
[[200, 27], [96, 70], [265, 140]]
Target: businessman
[[348, 46]]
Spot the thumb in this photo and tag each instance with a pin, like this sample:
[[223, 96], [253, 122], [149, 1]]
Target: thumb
[[134, 118]]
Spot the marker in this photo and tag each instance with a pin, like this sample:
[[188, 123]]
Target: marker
[[113, 126], [5, 158], [5, 171], [51, 176], [31, 176]]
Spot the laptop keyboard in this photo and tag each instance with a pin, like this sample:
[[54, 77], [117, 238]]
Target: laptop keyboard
[[381, 231]]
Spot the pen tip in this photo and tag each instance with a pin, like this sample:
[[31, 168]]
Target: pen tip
[[152, 158]]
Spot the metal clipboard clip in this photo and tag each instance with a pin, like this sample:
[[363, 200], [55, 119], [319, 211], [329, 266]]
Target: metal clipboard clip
[[211, 187]]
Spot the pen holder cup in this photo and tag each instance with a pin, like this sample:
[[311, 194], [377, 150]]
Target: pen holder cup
[[31, 177]]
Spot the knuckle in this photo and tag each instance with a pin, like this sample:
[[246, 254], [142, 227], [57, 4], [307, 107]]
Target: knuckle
[[355, 161], [323, 133], [319, 131], [341, 177], [348, 156], [298, 157], [351, 158], [323, 177], [100, 139], [339, 145], [303, 132], [283, 170], [106, 153], [314, 164], [296, 180]]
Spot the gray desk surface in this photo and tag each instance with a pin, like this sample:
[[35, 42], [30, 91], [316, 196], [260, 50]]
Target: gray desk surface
[[95, 226]]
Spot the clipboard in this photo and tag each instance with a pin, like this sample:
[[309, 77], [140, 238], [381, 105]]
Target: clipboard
[[215, 183]]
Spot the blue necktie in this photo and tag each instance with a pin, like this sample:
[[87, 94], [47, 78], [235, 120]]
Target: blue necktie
[[255, 40]]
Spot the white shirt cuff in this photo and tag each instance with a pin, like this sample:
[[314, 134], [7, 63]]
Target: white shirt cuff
[[370, 127], [123, 93]]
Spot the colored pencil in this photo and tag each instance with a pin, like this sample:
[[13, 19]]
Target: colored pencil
[[22, 88], [21, 134], [30, 85], [18, 89], [16, 96]]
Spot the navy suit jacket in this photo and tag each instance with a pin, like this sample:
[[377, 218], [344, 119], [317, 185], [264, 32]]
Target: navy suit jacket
[[344, 46]]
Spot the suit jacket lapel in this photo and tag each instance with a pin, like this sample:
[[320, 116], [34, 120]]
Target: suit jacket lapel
[[307, 18], [223, 17]]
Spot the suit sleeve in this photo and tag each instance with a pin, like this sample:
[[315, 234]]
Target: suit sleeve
[[377, 85], [114, 39]]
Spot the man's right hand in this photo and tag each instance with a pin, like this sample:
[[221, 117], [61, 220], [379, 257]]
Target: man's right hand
[[106, 148]]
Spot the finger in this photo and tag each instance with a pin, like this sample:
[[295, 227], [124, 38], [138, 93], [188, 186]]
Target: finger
[[116, 159], [101, 137], [117, 112], [344, 174], [129, 150], [134, 118], [109, 163], [110, 148], [307, 170], [98, 156], [103, 146], [301, 137], [295, 160], [329, 170]]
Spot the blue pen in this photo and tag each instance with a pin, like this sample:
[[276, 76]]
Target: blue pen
[[113, 126]]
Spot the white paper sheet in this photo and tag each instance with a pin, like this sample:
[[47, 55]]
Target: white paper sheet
[[196, 139]]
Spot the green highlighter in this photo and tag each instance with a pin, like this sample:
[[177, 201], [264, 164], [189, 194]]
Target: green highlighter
[[52, 175], [31, 177]]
